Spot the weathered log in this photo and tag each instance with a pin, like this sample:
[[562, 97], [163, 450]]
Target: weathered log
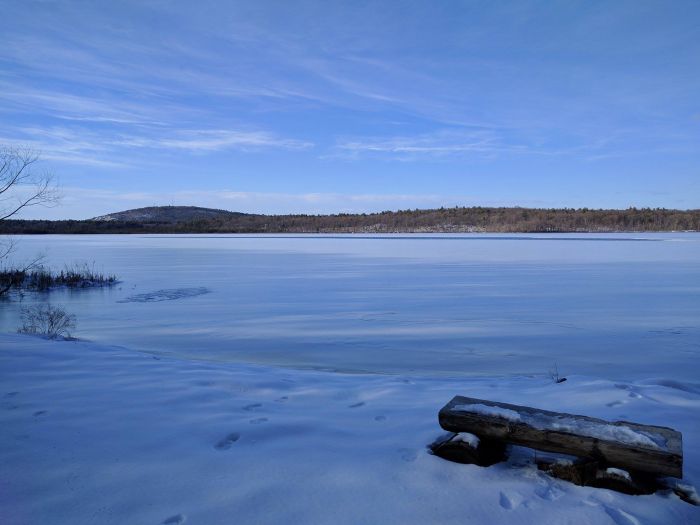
[[630, 446], [587, 473]]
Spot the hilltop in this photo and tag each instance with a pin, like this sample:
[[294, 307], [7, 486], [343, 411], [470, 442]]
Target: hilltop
[[165, 214]]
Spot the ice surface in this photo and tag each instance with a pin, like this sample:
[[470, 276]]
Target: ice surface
[[617, 306]]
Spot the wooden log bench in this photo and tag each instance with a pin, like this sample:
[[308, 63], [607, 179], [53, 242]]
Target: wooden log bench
[[645, 451]]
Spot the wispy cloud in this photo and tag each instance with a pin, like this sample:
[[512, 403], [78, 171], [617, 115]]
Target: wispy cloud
[[63, 145], [476, 142], [17, 97], [417, 145], [215, 139], [442, 143], [109, 148]]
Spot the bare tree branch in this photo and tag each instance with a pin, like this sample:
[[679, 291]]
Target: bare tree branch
[[22, 186], [7, 247]]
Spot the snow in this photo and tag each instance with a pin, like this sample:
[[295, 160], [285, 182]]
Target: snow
[[103, 434], [466, 437], [619, 432], [690, 490], [488, 410], [564, 462], [618, 472], [600, 430]]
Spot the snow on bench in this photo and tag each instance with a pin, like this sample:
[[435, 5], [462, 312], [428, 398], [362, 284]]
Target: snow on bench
[[642, 448]]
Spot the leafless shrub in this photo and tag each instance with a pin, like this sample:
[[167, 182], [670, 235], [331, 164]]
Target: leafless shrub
[[15, 276], [34, 276], [47, 320]]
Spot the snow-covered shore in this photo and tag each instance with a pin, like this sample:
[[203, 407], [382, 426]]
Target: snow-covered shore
[[96, 434]]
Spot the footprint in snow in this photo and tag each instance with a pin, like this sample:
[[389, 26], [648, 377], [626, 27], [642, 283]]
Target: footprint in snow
[[549, 492], [252, 406], [510, 500], [39, 413], [225, 443], [175, 520], [620, 517], [258, 420], [408, 455], [281, 399], [356, 405], [11, 394], [600, 497], [380, 418]]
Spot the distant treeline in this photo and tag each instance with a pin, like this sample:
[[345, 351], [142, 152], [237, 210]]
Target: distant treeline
[[475, 219]]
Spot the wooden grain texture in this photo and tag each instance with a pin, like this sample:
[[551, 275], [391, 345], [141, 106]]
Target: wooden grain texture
[[665, 461]]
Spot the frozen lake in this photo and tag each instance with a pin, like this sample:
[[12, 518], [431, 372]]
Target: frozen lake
[[620, 306]]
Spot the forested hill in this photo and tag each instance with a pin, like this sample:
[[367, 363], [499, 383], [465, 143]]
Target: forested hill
[[181, 219], [166, 214]]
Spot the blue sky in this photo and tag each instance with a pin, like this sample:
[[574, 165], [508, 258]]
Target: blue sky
[[314, 107]]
